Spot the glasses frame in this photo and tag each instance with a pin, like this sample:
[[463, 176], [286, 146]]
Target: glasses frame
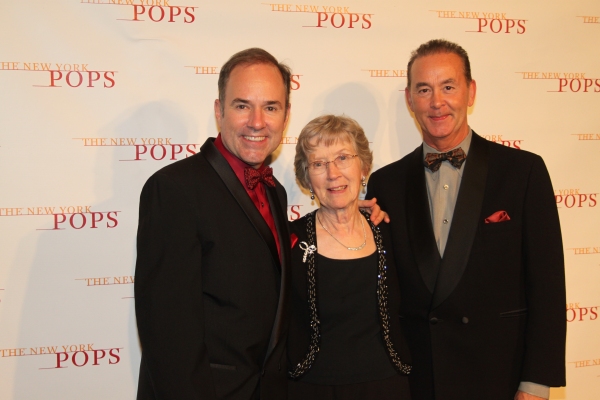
[[319, 171]]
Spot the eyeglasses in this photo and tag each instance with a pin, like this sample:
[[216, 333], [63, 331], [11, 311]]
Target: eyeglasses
[[342, 161]]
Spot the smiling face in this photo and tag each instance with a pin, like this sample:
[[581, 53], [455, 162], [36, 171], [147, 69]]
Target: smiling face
[[440, 96], [336, 188], [254, 113]]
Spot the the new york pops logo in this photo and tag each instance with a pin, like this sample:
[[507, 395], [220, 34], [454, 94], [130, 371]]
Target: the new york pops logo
[[294, 212], [565, 82], [504, 141], [66, 217], [324, 16], [64, 75], [575, 198], [212, 70], [586, 136], [143, 149], [150, 10], [67, 356], [486, 21], [585, 251], [578, 313], [589, 19], [386, 73], [109, 281]]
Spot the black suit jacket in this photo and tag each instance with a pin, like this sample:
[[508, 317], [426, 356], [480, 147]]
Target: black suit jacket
[[211, 292], [491, 312]]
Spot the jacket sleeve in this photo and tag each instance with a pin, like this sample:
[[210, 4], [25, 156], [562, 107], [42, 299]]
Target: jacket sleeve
[[168, 295], [543, 259]]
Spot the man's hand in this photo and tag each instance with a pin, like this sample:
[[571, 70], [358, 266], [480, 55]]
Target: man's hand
[[377, 214], [526, 396]]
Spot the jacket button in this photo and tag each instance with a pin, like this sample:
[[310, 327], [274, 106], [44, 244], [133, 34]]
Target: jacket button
[[465, 320], [433, 321]]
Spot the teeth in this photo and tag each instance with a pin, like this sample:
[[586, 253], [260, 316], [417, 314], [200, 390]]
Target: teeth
[[338, 188], [255, 138]]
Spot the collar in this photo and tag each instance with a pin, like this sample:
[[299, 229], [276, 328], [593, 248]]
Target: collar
[[465, 145], [236, 164]]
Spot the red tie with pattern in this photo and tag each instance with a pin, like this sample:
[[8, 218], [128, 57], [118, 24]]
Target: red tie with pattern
[[253, 176]]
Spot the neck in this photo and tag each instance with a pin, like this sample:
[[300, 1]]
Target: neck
[[446, 144], [342, 219]]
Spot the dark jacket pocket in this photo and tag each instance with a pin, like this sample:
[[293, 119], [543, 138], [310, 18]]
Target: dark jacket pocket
[[223, 367], [513, 313]]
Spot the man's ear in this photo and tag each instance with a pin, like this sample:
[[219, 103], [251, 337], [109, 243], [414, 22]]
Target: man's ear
[[408, 98], [218, 112], [472, 92], [287, 114]]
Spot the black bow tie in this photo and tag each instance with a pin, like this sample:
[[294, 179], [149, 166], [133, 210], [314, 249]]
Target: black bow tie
[[456, 157]]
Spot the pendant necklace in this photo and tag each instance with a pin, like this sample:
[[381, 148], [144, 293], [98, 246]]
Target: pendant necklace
[[362, 223]]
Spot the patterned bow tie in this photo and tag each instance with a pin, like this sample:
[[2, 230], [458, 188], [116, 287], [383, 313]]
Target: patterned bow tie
[[253, 176], [456, 157]]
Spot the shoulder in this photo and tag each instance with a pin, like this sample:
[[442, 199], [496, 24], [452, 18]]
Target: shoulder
[[505, 154], [181, 168], [299, 226], [395, 171]]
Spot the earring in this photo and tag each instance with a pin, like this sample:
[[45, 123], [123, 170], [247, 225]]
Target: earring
[[363, 183], [312, 194]]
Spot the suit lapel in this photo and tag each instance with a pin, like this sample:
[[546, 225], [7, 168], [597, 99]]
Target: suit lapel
[[280, 217], [419, 221], [465, 220], [223, 169]]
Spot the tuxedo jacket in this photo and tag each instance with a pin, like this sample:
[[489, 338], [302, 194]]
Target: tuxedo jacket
[[211, 291], [490, 313], [301, 331]]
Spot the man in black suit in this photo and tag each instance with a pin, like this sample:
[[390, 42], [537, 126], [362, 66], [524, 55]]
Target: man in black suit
[[478, 245], [212, 272]]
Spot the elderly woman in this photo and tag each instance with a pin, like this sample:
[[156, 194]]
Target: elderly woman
[[345, 340]]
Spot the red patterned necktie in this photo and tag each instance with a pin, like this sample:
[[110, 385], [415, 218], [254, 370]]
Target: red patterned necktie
[[253, 176], [456, 157]]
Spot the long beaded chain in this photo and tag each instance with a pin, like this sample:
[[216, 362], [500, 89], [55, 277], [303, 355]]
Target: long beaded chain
[[382, 301]]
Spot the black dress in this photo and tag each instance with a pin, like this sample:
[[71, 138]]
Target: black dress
[[349, 352]]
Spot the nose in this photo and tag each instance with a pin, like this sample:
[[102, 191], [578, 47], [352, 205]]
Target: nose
[[436, 99], [257, 119], [332, 170]]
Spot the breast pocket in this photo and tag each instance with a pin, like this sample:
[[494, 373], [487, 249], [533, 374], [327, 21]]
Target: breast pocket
[[513, 313], [223, 367]]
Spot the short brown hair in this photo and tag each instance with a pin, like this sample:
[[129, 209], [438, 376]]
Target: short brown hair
[[253, 56], [329, 129], [437, 46]]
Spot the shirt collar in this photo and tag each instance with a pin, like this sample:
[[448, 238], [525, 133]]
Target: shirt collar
[[465, 144], [236, 164]]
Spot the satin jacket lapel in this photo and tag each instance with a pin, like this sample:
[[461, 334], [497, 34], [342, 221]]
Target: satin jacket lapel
[[221, 166], [281, 224], [464, 221], [420, 226]]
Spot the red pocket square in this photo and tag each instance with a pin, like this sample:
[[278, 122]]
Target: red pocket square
[[498, 216], [293, 239]]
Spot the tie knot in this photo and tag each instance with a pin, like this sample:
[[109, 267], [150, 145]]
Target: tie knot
[[456, 157], [254, 176]]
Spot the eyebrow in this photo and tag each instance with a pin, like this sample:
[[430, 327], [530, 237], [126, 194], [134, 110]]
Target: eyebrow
[[421, 84], [267, 103]]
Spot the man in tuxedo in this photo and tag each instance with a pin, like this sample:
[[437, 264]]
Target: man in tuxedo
[[478, 245], [212, 271]]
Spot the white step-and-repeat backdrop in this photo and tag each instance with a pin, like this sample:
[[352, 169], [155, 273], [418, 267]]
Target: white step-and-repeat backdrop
[[97, 95]]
